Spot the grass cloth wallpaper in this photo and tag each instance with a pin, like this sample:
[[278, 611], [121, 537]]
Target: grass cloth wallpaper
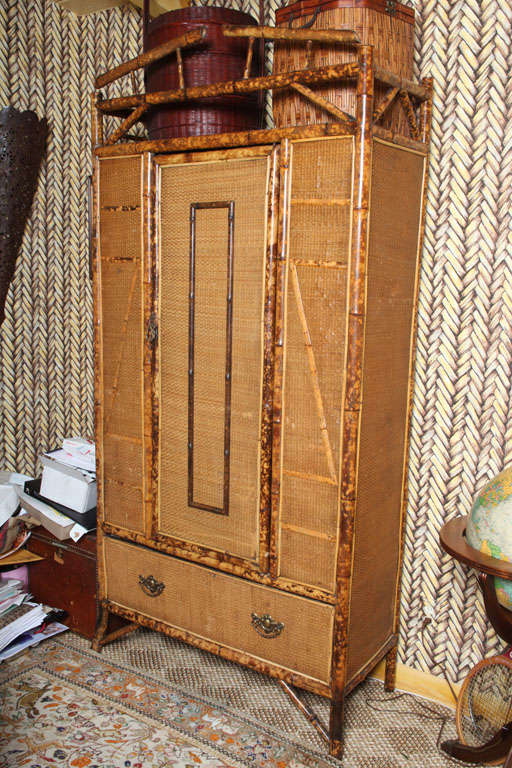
[[461, 431]]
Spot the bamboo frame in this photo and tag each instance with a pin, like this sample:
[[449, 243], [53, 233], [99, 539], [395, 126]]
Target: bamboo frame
[[339, 36], [384, 105], [231, 87], [352, 395], [150, 57], [265, 569], [279, 334], [268, 362], [342, 116]]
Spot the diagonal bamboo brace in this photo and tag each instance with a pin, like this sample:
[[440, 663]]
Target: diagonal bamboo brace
[[155, 54]]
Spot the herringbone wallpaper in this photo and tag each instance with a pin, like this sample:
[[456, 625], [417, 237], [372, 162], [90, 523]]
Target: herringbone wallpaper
[[461, 431]]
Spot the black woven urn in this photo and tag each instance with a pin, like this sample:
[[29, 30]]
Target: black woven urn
[[22, 142]]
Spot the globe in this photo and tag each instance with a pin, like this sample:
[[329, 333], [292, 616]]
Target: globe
[[489, 527]]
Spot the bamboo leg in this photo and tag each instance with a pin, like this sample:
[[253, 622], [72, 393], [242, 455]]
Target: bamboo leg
[[306, 711], [121, 632], [352, 397], [101, 629], [390, 672]]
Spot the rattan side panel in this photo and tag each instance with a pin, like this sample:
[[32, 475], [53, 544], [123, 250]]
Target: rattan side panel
[[122, 338], [394, 49], [321, 182], [218, 607], [241, 183], [397, 177]]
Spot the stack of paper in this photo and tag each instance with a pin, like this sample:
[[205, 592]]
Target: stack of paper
[[76, 452], [19, 620], [24, 623], [28, 639], [11, 594]]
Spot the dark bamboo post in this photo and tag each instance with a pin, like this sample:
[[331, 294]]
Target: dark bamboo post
[[352, 399], [96, 122]]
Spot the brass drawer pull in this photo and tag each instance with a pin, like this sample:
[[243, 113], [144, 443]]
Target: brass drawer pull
[[151, 586], [266, 626]]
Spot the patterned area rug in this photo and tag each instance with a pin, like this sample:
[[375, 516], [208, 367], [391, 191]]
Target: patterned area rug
[[149, 701]]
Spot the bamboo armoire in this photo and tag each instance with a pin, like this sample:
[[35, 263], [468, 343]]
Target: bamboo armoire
[[255, 298]]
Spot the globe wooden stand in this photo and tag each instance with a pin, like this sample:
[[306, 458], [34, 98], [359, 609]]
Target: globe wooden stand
[[453, 540]]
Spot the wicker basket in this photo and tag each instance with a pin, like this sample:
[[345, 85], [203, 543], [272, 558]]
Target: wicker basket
[[218, 58], [389, 26]]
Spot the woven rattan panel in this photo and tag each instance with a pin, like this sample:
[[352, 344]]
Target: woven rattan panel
[[219, 608], [397, 178], [121, 339], [241, 184], [394, 48], [314, 356]]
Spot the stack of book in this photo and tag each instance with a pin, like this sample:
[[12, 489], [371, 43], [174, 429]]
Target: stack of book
[[22, 622]]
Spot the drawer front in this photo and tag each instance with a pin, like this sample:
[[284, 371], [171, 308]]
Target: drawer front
[[219, 608]]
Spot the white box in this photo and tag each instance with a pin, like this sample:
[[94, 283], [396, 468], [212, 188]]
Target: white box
[[67, 486]]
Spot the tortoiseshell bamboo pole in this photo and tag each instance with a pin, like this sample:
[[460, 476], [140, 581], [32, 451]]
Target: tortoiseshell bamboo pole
[[96, 122], [155, 54], [399, 139], [181, 76], [409, 113], [314, 373], [115, 635], [352, 393], [385, 104], [234, 140], [424, 131], [279, 334], [268, 362], [344, 36], [248, 60], [305, 710], [410, 87], [148, 341], [343, 117], [233, 87], [125, 126]]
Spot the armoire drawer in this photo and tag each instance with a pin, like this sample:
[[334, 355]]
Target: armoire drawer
[[219, 607]]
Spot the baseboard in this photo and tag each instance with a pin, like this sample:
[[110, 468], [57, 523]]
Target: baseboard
[[420, 683]]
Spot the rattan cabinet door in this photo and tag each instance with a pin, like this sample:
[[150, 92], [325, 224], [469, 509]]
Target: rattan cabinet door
[[120, 340], [212, 283]]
